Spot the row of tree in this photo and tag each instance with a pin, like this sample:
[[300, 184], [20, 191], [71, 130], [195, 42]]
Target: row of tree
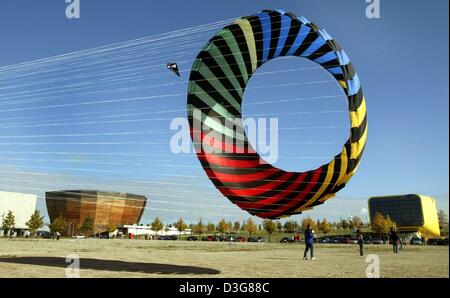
[[201, 228], [251, 227], [35, 222], [379, 224]]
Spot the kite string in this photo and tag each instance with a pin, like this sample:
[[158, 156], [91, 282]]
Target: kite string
[[303, 43], [71, 55], [314, 41], [146, 67], [109, 90], [169, 37], [163, 111], [147, 182], [164, 96], [122, 114], [96, 49], [115, 79], [166, 192]]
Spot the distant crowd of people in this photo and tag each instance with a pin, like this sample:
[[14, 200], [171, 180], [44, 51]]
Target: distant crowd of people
[[309, 236]]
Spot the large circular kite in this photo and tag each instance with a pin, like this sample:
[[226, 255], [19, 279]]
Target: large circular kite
[[216, 86]]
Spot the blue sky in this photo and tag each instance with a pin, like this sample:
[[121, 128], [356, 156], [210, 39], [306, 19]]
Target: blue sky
[[401, 59]]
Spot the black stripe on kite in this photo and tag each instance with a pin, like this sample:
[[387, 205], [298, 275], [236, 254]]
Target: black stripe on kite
[[242, 43], [229, 57], [357, 132], [275, 19], [292, 35]]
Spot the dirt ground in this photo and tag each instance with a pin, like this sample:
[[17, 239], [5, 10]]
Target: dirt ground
[[153, 258]]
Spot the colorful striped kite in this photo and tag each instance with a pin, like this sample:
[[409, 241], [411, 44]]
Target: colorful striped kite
[[216, 86]]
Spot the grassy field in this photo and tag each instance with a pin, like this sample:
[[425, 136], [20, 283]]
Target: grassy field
[[152, 258]]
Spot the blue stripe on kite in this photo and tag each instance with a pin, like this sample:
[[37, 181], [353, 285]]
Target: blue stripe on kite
[[266, 30], [284, 32], [342, 57], [304, 30], [303, 20], [325, 34], [353, 85], [280, 11], [335, 70], [325, 58], [314, 46]]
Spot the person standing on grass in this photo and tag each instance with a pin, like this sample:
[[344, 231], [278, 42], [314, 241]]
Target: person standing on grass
[[361, 244], [309, 243], [394, 238]]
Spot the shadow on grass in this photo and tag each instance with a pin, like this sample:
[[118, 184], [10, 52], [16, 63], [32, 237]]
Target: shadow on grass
[[111, 265], [288, 259]]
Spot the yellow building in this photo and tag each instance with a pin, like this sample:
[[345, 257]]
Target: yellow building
[[412, 213]]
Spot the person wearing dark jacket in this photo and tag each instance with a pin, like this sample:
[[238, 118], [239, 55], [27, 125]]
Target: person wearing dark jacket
[[394, 238], [361, 244], [309, 243]]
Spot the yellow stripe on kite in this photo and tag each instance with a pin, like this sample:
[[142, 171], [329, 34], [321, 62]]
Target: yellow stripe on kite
[[330, 171], [327, 197], [357, 147], [344, 164], [250, 38], [357, 117]]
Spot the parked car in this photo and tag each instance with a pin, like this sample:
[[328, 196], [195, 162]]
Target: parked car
[[434, 241], [324, 240], [437, 241], [287, 240], [229, 239], [346, 241], [192, 238], [261, 239], [377, 241], [368, 240], [252, 239], [336, 240], [416, 241], [44, 234], [240, 239], [168, 237], [210, 238]]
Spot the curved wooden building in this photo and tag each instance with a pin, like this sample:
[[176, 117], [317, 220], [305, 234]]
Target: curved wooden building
[[104, 208]]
